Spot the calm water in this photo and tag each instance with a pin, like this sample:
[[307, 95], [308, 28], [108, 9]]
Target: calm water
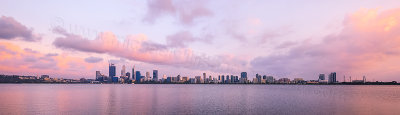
[[197, 99]]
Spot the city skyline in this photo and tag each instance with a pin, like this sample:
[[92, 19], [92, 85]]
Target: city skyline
[[297, 39]]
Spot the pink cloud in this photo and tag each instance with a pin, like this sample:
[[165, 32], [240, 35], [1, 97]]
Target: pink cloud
[[16, 60], [369, 44], [138, 48], [185, 11]]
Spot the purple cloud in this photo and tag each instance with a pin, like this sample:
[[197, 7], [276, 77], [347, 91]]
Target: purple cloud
[[361, 48], [93, 59], [185, 11], [11, 29], [181, 39]]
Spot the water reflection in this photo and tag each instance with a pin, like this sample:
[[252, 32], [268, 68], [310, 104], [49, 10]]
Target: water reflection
[[197, 99]]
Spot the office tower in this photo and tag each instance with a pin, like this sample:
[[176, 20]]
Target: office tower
[[258, 77], [133, 72], [270, 79], [123, 71], [155, 75], [204, 77], [98, 76], [243, 75], [232, 79], [148, 78], [223, 79], [321, 77], [111, 70], [284, 80], [178, 78], [210, 78], [138, 76], [332, 77], [227, 79], [198, 79]]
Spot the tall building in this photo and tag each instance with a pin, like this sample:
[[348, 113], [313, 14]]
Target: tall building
[[178, 78], [332, 77], [270, 79], [258, 77], [133, 72], [148, 78], [111, 70], [243, 75], [204, 77], [123, 73], [321, 77], [98, 76], [138, 76], [223, 79], [198, 79], [155, 75]]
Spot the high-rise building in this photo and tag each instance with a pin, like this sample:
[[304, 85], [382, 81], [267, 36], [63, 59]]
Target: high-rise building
[[111, 70], [133, 72], [155, 75], [123, 72], [178, 78], [227, 79], [138, 76], [332, 77], [243, 75], [204, 77], [148, 78], [321, 77], [223, 79], [270, 79], [98, 76], [258, 78], [198, 79]]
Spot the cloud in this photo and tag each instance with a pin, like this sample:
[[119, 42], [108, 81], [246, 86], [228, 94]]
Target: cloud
[[181, 39], [185, 11], [26, 61], [138, 48], [369, 44], [12, 29], [93, 59]]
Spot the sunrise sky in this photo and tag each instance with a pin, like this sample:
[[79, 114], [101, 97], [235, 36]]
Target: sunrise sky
[[282, 38]]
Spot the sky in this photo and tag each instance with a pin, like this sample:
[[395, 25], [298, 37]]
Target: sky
[[280, 38]]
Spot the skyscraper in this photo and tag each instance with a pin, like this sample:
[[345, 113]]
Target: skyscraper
[[138, 76], [148, 78], [332, 77], [321, 77], [223, 79], [204, 77], [111, 70], [243, 75], [258, 77], [123, 73], [155, 75], [98, 76], [133, 73]]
